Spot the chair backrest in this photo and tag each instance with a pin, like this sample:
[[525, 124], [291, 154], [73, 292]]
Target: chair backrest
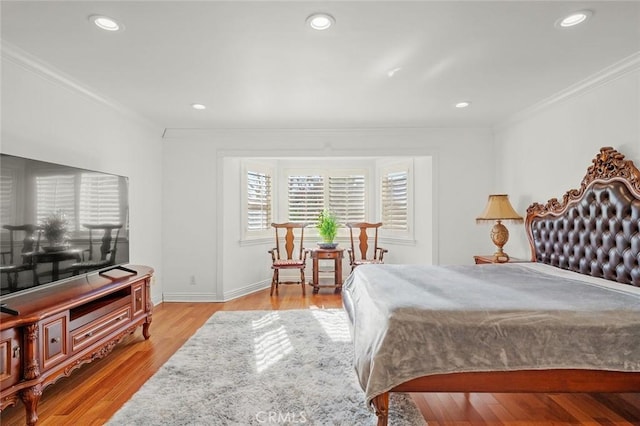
[[106, 246], [289, 236], [30, 242], [364, 231]]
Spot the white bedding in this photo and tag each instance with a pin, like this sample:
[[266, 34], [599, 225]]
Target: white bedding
[[414, 320]]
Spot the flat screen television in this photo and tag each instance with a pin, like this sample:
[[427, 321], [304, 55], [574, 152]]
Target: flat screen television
[[58, 222]]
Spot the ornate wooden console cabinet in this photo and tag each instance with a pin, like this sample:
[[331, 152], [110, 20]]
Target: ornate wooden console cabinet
[[61, 327]]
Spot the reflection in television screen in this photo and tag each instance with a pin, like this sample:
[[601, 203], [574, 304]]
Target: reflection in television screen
[[58, 222]]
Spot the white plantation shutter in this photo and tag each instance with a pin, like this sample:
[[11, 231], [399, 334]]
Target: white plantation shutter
[[56, 194], [99, 199], [395, 200], [347, 198], [8, 196], [258, 201], [305, 198]]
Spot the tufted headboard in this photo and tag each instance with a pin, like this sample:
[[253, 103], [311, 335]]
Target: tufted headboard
[[594, 230]]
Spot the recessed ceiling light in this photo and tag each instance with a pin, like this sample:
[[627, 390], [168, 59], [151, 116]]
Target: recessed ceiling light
[[320, 21], [106, 23], [198, 106], [574, 18], [463, 104]]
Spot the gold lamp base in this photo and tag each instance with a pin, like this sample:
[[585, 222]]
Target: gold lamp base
[[500, 236], [499, 208]]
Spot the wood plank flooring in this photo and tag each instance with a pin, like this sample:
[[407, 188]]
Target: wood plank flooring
[[96, 391]]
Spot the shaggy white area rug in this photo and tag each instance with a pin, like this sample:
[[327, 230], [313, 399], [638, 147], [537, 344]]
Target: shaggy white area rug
[[262, 367]]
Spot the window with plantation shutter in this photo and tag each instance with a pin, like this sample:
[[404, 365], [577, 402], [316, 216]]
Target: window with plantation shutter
[[298, 190], [305, 198], [347, 198], [99, 199], [56, 194], [258, 201], [394, 197]]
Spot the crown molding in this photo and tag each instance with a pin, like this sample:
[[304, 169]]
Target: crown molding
[[613, 72], [48, 72]]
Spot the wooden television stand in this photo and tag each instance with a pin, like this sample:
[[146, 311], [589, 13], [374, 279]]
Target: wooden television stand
[[62, 326]]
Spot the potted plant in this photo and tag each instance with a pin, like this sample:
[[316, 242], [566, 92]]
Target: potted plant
[[54, 228], [327, 228]]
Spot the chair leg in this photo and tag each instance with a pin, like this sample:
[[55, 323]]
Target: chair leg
[[302, 282], [274, 282], [12, 280]]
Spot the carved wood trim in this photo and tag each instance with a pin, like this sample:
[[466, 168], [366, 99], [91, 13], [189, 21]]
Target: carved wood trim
[[30, 397], [32, 361], [608, 165], [149, 309], [100, 352], [8, 401]]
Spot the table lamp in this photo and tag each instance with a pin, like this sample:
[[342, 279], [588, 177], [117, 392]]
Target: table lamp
[[498, 209]]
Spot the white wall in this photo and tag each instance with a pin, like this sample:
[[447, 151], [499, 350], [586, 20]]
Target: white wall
[[45, 119], [202, 228], [548, 152]]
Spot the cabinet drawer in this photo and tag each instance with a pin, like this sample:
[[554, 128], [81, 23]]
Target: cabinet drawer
[[328, 255], [90, 312], [10, 357], [99, 328], [53, 342]]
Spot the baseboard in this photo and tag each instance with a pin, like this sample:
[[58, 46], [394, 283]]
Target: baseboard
[[251, 288], [190, 297], [211, 297]]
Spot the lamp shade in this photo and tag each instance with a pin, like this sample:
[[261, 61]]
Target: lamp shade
[[499, 208]]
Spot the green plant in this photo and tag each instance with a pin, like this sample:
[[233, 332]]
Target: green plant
[[55, 227], [327, 226]]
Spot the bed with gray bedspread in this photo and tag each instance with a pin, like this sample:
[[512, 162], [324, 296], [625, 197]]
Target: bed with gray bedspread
[[413, 320]]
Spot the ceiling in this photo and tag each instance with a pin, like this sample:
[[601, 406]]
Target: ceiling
[[257, 64]]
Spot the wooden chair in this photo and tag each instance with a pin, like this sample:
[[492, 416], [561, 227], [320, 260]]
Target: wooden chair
[[285, 255], [367, 253], [108, 249], [30, 245]]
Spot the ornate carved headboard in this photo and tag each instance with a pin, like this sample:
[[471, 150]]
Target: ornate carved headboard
[[594, 230]]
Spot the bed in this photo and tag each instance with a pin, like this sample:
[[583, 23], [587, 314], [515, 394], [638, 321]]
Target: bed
[[568, 321]]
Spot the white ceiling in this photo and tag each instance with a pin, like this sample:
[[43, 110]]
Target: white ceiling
[[257, 65]]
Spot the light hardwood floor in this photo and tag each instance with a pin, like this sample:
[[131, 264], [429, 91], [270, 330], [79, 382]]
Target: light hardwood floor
[[95, 392]]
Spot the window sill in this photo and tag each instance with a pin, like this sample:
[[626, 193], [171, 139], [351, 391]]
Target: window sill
[[258, 241]]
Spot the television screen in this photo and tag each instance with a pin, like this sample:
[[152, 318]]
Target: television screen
[[57, 222]]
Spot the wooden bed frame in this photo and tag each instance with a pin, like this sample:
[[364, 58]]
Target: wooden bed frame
[[609, 192]]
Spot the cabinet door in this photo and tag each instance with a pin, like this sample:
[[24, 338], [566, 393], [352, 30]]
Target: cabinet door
[[10, 357], [54, 339], [138, 292]]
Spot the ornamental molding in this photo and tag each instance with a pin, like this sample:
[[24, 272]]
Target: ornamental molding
[[608, 165]]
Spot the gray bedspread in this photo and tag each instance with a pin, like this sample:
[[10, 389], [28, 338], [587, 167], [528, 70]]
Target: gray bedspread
[[414, 320]]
